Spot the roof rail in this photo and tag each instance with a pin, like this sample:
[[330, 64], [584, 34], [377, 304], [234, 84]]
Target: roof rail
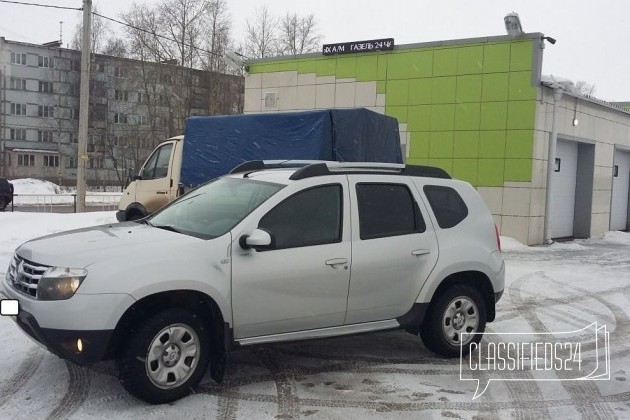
[[258, 165], [332, 168], [313, 168]]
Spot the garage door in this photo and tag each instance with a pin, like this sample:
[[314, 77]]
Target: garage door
[[563, 188], [620, 188]]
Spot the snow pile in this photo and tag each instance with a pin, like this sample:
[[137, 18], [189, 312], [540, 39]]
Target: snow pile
[[36, 186], [510, 244], [30, 191]]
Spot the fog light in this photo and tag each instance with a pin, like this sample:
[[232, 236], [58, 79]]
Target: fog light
[[79, 345]]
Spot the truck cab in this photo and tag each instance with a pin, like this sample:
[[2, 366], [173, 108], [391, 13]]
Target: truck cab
[[156, 184]]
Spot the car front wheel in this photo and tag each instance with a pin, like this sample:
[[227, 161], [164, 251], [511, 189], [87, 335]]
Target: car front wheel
[[166, 357], [456, 318]]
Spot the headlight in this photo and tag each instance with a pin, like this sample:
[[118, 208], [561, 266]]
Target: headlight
[[59, 283]]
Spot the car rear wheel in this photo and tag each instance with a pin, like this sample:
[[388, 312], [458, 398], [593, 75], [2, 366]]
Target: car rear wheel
[[456, 318], [166, 357]]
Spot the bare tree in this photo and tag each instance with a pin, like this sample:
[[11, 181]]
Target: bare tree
[[261, 39], [217, 35], [100, 32], [298, 35], [584, 88], [115, 47]]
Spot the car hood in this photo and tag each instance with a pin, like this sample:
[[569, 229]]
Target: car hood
[[82, 247]]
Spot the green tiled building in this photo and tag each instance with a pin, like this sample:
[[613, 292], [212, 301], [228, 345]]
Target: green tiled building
[[474, 107]]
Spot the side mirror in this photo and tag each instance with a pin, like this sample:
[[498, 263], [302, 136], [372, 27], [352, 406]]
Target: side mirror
[[259, 239], [137, 177]]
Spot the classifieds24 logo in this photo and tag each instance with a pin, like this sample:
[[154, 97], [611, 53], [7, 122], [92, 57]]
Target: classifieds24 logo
[[559, 356]]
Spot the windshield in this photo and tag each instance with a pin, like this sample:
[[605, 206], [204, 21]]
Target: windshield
[[214, 208]]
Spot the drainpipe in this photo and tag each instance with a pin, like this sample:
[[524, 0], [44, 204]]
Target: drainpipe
[[551, 160]]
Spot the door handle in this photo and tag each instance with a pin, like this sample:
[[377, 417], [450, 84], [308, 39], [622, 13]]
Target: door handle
[[162, 192], [419, 252], [336, 262]]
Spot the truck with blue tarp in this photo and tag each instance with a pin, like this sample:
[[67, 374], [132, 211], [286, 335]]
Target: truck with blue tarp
[[213, 145]]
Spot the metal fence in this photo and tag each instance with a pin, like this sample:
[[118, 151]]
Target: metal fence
[[63, 203]]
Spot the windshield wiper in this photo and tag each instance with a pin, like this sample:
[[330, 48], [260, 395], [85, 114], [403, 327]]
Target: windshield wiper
[[165, 227]]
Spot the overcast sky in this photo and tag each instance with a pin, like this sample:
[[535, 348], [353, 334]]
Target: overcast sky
[[592, 36]]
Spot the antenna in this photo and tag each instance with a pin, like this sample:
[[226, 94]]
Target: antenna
[[61, 32]]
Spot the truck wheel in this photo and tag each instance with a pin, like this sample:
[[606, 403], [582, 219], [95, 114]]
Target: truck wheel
[[134, 215], [166, 357], [460, 309]]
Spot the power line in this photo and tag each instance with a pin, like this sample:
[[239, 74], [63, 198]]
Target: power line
[[155, 34], [41, 5]]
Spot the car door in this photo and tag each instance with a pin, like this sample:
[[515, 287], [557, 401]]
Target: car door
[[301, 283], [154, 186], [394, 247]]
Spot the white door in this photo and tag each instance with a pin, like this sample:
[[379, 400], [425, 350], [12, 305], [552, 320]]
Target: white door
[[153, 189], [620, 187], [394, 248], [302, 282], [563, 188]]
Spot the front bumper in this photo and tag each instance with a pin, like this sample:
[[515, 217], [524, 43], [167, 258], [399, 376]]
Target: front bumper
[[63, 343]]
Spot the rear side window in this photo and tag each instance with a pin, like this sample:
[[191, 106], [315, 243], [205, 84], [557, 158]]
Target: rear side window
[[447, 205], [387, 210]]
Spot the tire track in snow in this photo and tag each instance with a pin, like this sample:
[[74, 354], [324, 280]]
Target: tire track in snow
[[578, 390], [227, 406], [288, 401], [78, 388], [24, 372]]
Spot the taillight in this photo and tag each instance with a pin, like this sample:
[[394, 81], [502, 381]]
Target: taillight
[[496, 232]]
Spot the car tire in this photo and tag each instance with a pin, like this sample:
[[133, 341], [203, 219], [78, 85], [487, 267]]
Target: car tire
[[166, 358], [458, 309]]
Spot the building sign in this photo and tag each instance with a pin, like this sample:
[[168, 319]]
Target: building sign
[[359, 46]]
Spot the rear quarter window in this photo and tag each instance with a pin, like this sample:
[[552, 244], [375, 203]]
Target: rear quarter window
[[447, 205]]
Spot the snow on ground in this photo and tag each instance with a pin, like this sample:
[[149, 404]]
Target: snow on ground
[[387, 375]]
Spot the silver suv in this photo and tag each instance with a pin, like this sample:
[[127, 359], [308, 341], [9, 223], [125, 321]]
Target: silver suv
[[274, 251]]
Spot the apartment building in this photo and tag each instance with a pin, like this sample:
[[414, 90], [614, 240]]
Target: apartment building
[[133, 106]]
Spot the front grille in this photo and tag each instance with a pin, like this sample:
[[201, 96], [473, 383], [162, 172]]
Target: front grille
[[24, 275]]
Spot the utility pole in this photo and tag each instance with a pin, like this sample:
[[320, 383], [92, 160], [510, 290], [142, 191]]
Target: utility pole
[[84, 103]]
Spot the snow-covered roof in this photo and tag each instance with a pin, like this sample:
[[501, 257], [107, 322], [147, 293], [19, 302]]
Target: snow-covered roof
[[569, 88], [53, 152]]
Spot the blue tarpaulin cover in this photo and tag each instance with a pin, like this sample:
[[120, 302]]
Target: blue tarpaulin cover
[[214, 145]]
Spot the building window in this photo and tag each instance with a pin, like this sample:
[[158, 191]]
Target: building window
[[100, 67], [118, 72], [46, 87], [166, 78], [18, 109], [74, 113], [72, 137], [51, 160], [120, 118], [72, 162], [46, 111], [96, 163], [45, 136], [76, 65], [18, 133], [17, 58], [44, 62], [142, 120], [18, 84], [141, 98], [26, 160], [121, 95]]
